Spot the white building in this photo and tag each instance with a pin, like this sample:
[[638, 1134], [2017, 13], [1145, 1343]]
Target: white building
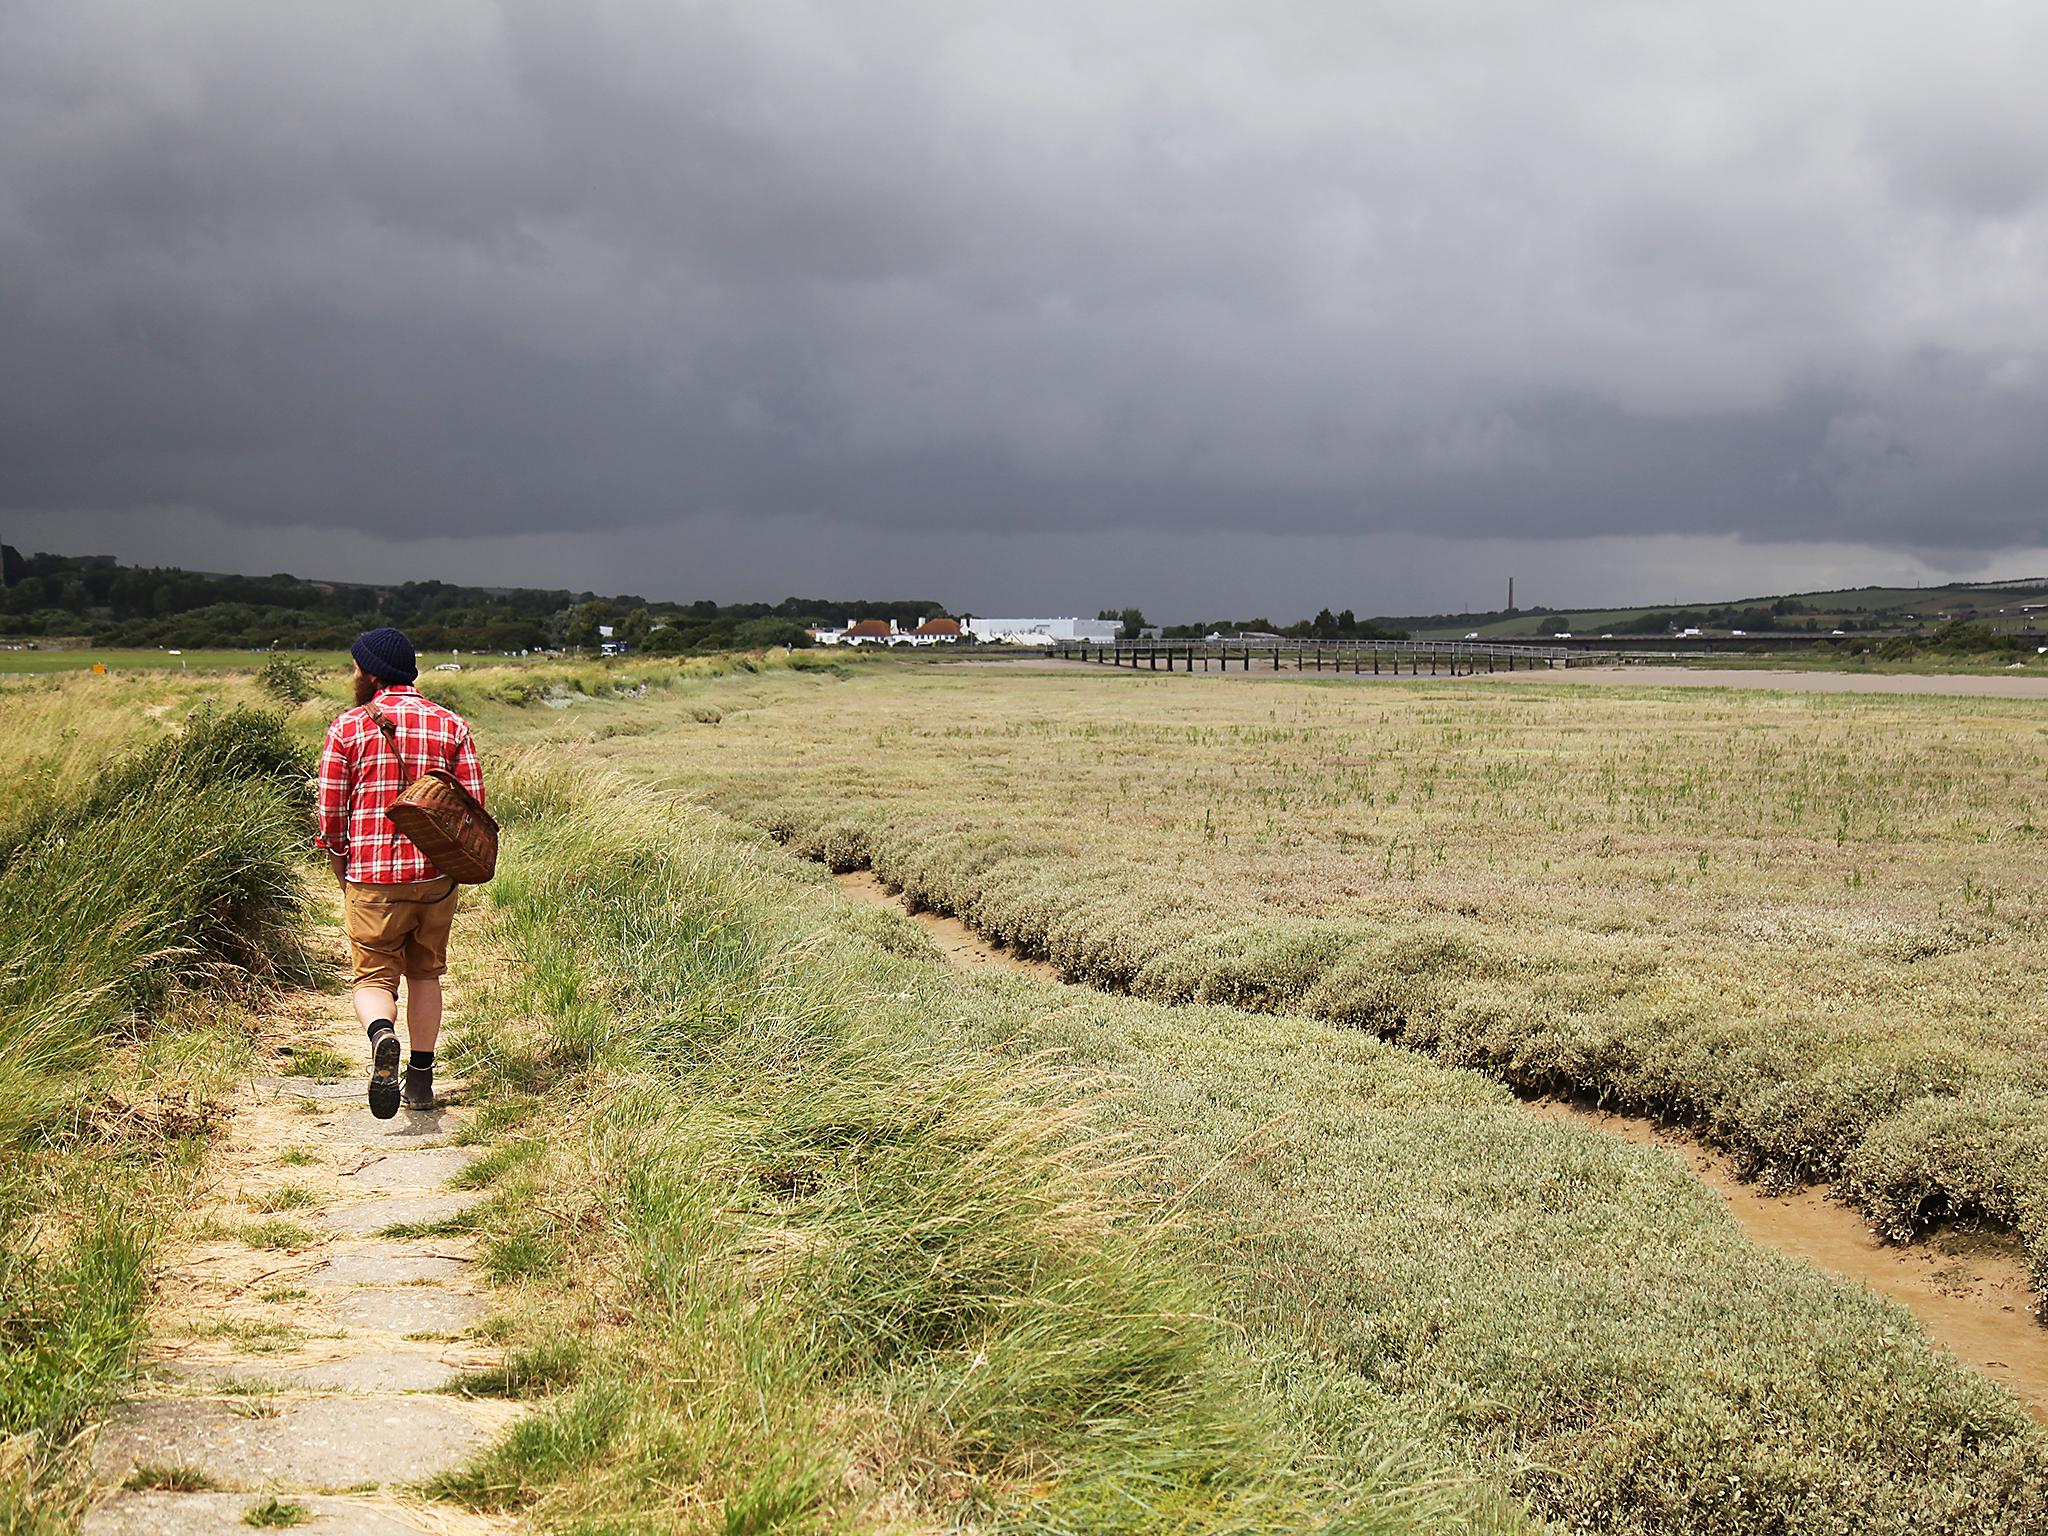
[[1043, 631]]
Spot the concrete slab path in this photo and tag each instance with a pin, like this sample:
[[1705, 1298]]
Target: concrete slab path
[[297, 1344]]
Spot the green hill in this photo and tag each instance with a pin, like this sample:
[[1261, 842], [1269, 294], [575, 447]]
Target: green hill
[[2004, 606]]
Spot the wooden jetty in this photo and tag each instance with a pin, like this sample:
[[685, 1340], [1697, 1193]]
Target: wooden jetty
[[1417, 658]]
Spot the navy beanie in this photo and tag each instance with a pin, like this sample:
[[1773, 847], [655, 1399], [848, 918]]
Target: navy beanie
[[386, 653]]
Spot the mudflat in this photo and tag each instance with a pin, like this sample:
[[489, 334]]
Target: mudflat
[[2027, 685]]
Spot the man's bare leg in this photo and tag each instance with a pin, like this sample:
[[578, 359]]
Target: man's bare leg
[[423, 1028], [374, 1003], [422, 1011]]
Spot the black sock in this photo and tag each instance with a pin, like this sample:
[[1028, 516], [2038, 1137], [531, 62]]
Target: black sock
[[422, 1061], [380, 1026]]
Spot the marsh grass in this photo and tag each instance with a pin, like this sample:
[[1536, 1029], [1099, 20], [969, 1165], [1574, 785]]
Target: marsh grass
[[838, 1233], [134, 917], [1806, 926], [828, 1272]]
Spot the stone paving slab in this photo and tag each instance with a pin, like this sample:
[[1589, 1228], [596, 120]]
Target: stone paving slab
[[406, 1309], [366, 1217], [383, 1371], [311, 1088], [385, 1264], [322, 1442], [409, 1127], [414, 1170], [220, 1514]]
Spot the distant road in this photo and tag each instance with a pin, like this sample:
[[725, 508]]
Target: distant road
[[1994, 687]]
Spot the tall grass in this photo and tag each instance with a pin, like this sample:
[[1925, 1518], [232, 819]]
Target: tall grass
[[170, 876], [818, 1267]]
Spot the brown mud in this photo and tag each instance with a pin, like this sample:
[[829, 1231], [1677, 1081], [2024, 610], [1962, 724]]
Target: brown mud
[[963, 946], [1968, 1288]]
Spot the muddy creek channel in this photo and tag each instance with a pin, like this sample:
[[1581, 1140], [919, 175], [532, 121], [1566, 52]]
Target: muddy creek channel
[[1968, 1289]]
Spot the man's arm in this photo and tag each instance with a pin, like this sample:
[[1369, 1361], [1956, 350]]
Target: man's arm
[[330, 801], [468, 771]]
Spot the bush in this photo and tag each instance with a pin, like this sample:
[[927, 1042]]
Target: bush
[[287, 679]]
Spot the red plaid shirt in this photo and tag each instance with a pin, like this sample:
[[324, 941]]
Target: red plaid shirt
[[360, 776]]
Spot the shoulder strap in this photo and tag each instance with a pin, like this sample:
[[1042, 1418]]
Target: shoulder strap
[[390, 731]]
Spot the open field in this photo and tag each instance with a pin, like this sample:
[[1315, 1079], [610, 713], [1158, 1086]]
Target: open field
[[81, 656]]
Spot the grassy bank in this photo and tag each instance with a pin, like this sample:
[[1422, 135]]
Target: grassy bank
[[799, 1228], [789, 1260], [1807, 925], [134, 909]]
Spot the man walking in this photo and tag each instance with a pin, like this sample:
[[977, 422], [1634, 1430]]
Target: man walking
[[397, 907]]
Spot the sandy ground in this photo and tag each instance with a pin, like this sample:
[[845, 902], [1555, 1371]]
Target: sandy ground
[[1969, 1290]]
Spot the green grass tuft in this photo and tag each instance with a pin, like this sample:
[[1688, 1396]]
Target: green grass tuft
[[275, 1514], [277, 1234], [318, 1062], [170, 1477]]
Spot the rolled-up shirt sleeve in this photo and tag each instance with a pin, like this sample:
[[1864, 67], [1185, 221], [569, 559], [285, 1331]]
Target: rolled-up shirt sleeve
[[468, 771], [330, 796]]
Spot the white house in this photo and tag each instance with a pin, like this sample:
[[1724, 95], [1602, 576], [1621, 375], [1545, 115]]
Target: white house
[[861, 632], [1043, 631]]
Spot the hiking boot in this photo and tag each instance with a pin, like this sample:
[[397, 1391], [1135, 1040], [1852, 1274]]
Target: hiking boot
[[384, 1074], [419, 1088]]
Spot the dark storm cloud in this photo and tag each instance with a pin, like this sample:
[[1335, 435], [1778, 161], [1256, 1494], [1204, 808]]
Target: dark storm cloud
[[1473, 270]]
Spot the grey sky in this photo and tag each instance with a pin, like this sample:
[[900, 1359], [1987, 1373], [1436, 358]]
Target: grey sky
[[1206, 306]]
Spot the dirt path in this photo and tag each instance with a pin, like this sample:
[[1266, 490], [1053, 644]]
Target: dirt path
[[297, 1343], [1969, 1290]]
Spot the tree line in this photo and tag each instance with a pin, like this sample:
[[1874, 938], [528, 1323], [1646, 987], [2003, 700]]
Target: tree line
[[111, 604]]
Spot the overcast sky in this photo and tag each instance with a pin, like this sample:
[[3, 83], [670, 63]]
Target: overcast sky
[[1212, 307]]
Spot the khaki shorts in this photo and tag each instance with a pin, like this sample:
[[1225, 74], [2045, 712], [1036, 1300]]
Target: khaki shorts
[[398, 930]]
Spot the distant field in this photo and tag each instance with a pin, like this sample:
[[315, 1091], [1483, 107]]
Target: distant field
[[82, 658]]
